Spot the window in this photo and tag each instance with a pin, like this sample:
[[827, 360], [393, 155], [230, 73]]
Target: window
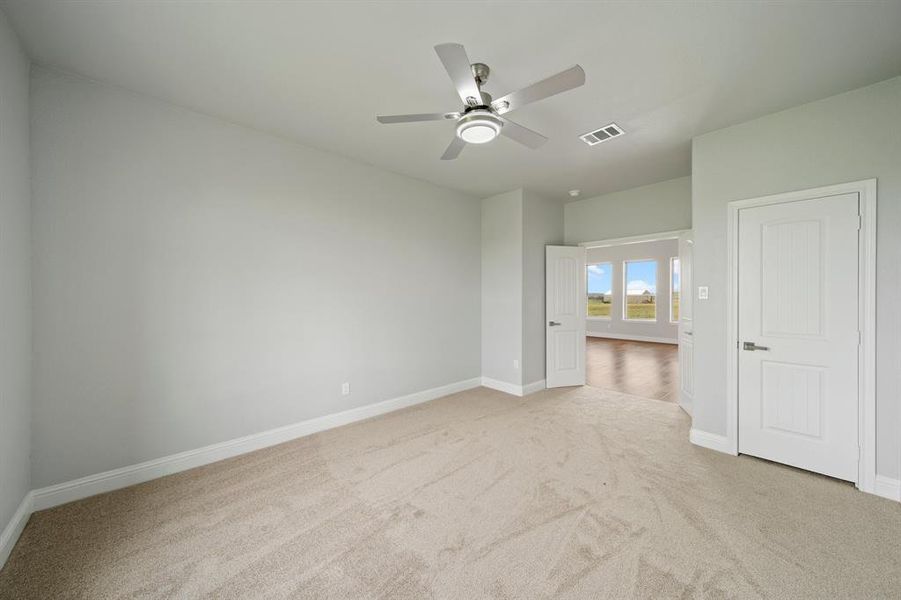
[[640, 290], [600, 290], [675, 286]]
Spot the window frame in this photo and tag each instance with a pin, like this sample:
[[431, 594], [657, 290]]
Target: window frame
[[595, 318], [625, 294], [672, 262]]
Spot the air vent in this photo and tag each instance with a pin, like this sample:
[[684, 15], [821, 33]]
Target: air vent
[[605, 133]]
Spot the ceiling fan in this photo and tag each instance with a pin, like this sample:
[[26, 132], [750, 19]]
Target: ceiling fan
[[481, 119]]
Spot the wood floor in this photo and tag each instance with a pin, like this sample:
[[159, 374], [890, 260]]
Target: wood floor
[[644, 369]]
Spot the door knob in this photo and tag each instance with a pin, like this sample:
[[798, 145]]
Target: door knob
[[553, 323], [752, 346]]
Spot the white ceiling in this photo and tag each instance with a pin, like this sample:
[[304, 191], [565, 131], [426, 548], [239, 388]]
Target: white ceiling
[[319, 73]]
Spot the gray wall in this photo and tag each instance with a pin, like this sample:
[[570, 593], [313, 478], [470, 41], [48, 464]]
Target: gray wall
[[661, 251], [664, 206], [542, 225], [15, 276], [852, 136], [197, 281], [502, 286]]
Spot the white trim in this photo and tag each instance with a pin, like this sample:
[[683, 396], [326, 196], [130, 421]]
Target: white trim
[[512, 388], [887, 487], [634, 338], [670, 299], [502, 386], [14, 528], [636, 239], [712, 441], [866, 476], [535, 386], [91, 485]]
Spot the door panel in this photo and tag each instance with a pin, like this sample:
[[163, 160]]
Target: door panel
[[792, 250], [565, 315], [797, 306]]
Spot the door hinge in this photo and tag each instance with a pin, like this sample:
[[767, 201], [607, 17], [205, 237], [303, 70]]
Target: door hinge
[[859, 222]]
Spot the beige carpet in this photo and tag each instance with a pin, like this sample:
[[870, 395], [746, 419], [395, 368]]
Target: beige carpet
[[571, 493]]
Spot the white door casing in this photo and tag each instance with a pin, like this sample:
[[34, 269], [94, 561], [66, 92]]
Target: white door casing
[[798, 333], [565, 308], [686, 330]]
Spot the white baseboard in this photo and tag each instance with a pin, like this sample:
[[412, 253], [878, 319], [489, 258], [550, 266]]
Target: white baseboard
[[512, 388], [887, 488], [713, 441], [535, 386], [92, 485], [14, 528], [634, 338], [502, 386]]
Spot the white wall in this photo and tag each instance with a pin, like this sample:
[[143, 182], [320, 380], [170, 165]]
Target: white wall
[[502, 287], [197, 281], [542, 225], [661, 329], [654, 208], [852, 136], [516, 227], [15, 276]]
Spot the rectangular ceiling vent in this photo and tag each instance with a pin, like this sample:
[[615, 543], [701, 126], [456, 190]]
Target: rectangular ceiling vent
[[605, 133]]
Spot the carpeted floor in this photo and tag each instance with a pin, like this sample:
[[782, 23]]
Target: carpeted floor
[[575, 493]]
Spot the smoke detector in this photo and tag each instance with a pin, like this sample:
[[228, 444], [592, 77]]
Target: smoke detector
[[605, 133]]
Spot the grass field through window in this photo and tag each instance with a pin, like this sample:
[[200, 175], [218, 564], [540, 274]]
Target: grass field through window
[[641, 307], [599, 305]]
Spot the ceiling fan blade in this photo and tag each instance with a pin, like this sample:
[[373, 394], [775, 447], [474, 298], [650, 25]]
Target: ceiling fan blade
[[555, 84], [523, 135], [454, 149], [417, 118], [457, 64]]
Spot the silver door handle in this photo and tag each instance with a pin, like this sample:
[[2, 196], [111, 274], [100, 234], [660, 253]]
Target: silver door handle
[[752, 346], [553, 323]]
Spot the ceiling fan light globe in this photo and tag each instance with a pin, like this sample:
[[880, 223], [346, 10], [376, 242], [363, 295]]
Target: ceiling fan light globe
[[478, 127], [477, 134]]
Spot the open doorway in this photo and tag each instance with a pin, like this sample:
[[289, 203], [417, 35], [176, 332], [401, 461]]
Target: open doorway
[[633, 320]]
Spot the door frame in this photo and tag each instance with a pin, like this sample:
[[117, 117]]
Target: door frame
[[866, 353], [636, 239]]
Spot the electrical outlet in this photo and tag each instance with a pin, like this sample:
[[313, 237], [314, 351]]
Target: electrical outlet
[[515, 363], [345, 389]]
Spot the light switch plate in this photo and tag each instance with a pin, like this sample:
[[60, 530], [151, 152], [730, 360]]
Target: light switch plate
[[703, 293]]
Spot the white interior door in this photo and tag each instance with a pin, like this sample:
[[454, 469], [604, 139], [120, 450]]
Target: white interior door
[[686, 328], [798, 334], [565, 315]]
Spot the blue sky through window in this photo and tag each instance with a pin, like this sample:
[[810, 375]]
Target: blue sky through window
[[600, 278], [641, 276]]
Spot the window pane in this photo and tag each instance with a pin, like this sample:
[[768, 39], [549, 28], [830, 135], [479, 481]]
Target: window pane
[[675, 285], [641, 290], [600, 288]]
